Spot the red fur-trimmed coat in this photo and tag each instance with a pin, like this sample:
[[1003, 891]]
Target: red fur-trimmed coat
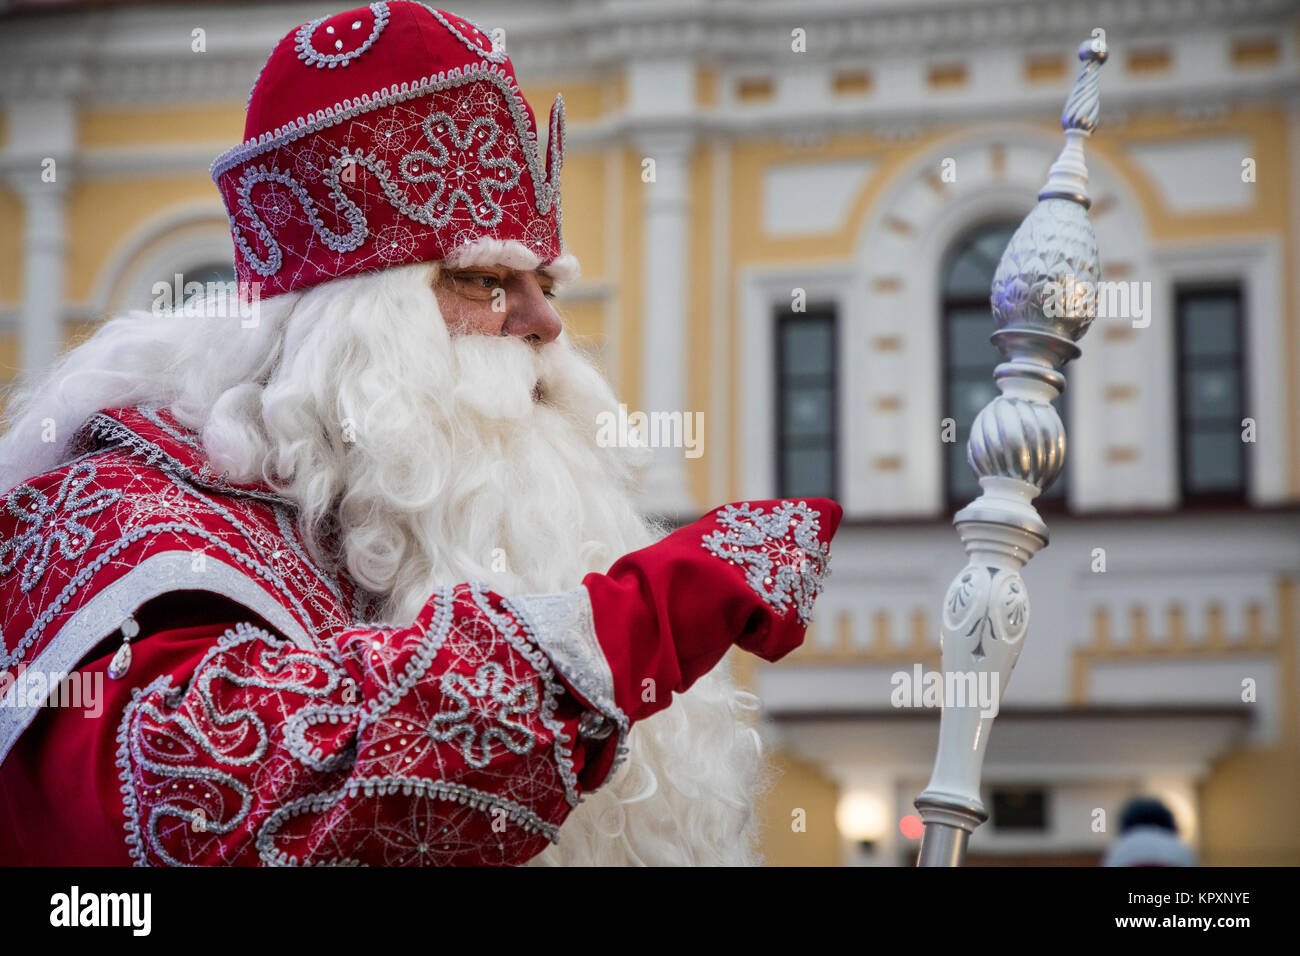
[[262, 721]]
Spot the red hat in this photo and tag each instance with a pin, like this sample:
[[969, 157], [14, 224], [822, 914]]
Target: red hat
[[386, 135]]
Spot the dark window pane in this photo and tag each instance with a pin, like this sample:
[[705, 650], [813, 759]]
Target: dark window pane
[[1212, 393], [1210, 387], [808, 412], [212, 273], [1020, 809], [1210, 326], [968, 340], [967, 395], [969, 270], [969, 355], [806, 390], [1214, 460], [807, 347], [968, 277], [809, 472], [993, 242], [962, 483]]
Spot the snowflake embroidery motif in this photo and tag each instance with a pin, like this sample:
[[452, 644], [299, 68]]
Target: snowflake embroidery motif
[[491, 686], [783, 560], [461, 163], [53, 523]]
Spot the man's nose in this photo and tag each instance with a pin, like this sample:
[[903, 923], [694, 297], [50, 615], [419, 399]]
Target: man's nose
[[530, 314]]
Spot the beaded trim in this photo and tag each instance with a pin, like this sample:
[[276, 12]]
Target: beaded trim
[[519, 815], [130, 750], [109, 429], [491, 684], [104, 613], [432, 638], [492, 54], [284, 669], [387, 96], [105, 427], [531, 651], [435, 212], [309, 55]]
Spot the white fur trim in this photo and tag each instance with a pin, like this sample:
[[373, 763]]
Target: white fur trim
[[563, 269], [512, 254], [486, 251]]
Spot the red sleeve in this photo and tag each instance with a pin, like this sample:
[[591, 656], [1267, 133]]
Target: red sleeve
[[466, 738], [449, 742], [746, 573]]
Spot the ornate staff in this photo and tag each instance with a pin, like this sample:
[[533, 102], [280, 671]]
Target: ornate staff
[[1044, 299]]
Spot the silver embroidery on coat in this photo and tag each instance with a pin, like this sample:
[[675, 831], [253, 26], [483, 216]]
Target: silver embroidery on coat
[[564, 627], [783, 560], [53, 524], [490, 686]]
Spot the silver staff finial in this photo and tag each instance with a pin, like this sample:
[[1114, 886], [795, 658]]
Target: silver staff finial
[[1068, 178], [1085, 100]]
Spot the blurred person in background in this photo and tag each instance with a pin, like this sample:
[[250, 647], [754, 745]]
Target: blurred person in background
[[1148, 836]]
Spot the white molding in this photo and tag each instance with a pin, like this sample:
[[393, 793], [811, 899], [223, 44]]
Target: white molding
[[126, 278], [612, 351], [720, 342], [1257, 263], [665, 275], [761, 289], [980, 192], [143, 55]]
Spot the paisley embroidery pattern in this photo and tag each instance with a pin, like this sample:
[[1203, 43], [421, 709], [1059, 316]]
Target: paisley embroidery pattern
[[280, 756], [783, 560]]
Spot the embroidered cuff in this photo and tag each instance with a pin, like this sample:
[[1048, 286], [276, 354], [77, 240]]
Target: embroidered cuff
[[563, 626]]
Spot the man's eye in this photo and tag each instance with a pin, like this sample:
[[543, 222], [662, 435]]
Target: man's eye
[[487, 281], [549, 293]]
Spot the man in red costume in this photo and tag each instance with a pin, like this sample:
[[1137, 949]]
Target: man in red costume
[[355, 579]]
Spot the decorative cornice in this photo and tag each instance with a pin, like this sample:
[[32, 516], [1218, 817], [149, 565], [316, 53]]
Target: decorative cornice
[[133, 54]]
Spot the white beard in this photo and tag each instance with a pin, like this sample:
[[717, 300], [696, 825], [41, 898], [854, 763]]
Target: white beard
[[429, 457]]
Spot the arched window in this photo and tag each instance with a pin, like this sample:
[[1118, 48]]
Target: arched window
[[969, 357]]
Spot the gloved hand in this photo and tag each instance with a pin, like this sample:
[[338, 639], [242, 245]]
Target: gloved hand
[[744, 574]]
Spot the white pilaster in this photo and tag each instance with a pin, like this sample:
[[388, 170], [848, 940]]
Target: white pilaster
[[661, 97], [42, 135]]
